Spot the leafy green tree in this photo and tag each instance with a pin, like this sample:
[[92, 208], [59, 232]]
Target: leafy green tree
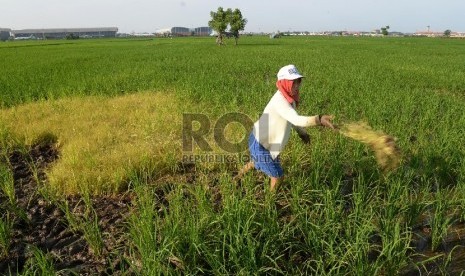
[[384, 30], [236, 23], [219, 23], [447, 32], [221, 19]]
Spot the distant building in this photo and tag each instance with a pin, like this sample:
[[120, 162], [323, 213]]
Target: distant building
[[141, 35], [457, 34], [163, 32], [181, 31], [202, 31], [5, 34], [62, 33], [428, 34], [184, 31]]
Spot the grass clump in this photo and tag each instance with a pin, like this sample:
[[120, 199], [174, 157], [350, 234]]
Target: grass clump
[[6, 232], [100, 139]]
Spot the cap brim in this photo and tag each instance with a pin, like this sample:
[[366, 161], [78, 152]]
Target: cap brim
[[296, 77], [293, 77]]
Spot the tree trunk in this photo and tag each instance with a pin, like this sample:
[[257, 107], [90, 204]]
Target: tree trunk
[[219, 40]]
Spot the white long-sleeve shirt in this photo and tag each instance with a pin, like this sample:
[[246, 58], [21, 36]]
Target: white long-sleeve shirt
[[273, 128]]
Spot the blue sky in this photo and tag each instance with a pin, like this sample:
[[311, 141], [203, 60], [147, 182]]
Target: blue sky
[[264, 16]]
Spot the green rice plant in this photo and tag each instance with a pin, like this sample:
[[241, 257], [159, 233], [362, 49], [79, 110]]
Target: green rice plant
[[87, 224], [90, 228], [71, 219], [93, 234], [423, 264], [394, 231], [6, 232], [359, 230], [459, 199], [49, 195], [417, 207], [395, 245], [447, 266], [359, 249], [207, 241], [415, 199], [441, 218], [39, 263], [146, 250], [238, 236], [321, 225], [186, 230], [7, 184]]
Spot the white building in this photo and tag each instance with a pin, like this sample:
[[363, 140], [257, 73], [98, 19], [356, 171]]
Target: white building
[[184, 31], [62, 33]]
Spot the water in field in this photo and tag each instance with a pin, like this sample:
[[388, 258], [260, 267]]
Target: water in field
[[447, 259]]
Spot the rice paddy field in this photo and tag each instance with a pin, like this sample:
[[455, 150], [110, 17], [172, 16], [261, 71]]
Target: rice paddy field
[[94, 177]]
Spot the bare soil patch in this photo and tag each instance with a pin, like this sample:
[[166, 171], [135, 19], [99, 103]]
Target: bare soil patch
[[40, 223]]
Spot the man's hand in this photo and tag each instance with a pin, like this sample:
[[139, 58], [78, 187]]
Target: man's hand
[[304, 137], [325, 120]]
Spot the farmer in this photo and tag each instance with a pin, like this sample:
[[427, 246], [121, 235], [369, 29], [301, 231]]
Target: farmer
[[271, 132]]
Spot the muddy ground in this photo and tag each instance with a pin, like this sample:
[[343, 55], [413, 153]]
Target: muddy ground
[[43, 224]]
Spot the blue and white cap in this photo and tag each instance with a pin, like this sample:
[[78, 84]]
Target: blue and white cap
[[289, 72]]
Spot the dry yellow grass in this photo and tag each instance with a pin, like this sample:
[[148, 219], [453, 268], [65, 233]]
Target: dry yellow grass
[[101, 139], [387, 153]]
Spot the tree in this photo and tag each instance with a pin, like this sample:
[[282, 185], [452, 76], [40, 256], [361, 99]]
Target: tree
[[221, 19], [236, 23], [384, 30], [447, 32], [219, 23]]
